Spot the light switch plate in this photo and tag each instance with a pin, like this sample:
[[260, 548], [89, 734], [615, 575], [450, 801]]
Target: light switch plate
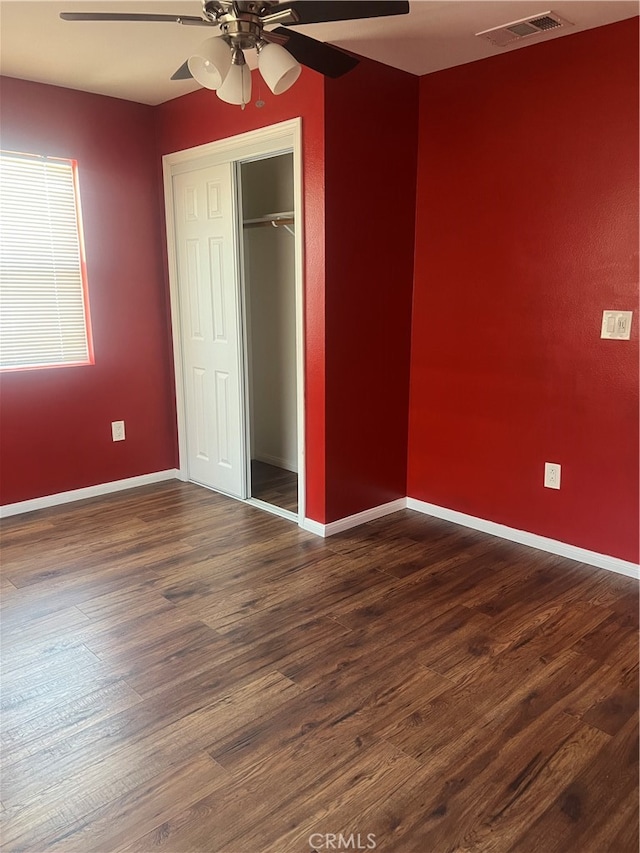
[[616, 325]]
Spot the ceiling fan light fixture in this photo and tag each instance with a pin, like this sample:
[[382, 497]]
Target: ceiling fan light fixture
[[242, 24], [210, 64], [278, 68], [236, 88]]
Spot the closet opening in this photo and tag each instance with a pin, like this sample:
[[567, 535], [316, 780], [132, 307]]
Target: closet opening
[[268, 271], [235, 252]]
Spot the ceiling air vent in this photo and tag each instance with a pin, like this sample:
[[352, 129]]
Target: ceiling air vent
[[515, 31]]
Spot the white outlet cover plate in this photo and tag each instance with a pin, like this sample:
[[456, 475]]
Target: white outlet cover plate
[[616, 325], [117, 430], [552, 475]]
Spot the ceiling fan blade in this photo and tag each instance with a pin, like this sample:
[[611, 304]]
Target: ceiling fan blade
[[183, 72], [126, 16], [325, 58], [317, 11]]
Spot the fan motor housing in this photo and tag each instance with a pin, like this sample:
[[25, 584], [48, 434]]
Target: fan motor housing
[[244, 33], [240, 22], [216, 9]]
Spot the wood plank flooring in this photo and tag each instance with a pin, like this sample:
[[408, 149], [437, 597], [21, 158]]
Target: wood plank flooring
[[187, 674], [275, 486]]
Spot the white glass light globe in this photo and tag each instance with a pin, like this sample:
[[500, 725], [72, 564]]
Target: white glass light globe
[[278, 68], [236, 88], [210, 63]]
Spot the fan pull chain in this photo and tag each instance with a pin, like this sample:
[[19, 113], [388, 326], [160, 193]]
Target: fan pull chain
[[259, 102]]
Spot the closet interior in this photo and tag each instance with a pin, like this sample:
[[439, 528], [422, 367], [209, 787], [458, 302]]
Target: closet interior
[[270, 310]]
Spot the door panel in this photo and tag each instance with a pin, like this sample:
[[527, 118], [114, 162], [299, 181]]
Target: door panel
[[210, 327]]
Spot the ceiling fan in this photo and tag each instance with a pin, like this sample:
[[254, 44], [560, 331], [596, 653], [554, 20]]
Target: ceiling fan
[[219, 63]]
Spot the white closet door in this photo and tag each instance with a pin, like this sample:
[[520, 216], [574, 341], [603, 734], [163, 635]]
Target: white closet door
[[209, 311]]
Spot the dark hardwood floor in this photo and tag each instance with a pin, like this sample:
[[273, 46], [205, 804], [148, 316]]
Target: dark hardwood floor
[[275, 486], [182, 672]]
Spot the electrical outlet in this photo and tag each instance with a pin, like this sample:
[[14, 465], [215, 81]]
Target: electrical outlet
[[552, 475], [616, 325], [117, 430]]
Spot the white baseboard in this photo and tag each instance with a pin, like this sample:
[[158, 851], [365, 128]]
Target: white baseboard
[[312, 526], [287, 464], [353, 520], [89, 492], [522, 537]]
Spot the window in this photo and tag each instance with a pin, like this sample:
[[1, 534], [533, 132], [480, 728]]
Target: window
[[44, 318]]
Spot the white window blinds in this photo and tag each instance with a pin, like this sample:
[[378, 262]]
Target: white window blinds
[[43, 315]]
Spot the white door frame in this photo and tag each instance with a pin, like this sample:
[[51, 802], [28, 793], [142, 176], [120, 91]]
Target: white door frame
[[267, 141]]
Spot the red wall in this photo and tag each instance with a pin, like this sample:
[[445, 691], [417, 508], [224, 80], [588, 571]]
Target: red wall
[[527, 228], [354, 299], [202, 117], [370, 170], [56, 423]]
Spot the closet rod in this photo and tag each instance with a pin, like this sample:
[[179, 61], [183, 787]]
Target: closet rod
[[275, 219]]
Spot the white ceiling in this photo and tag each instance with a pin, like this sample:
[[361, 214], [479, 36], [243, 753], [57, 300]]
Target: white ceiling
[[135, 60]]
